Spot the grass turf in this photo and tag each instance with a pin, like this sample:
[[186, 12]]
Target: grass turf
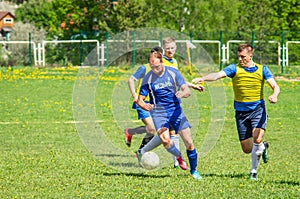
[[42, 154]]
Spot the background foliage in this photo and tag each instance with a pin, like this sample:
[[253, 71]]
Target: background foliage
[[179, 15], [201, 19]]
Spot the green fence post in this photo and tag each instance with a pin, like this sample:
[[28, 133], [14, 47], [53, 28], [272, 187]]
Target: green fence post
[[221, 54], [161, 39], [252, 42], [133, 50], [80, 49], [106, 49], [282, 52], [29, 50], [191, 50]]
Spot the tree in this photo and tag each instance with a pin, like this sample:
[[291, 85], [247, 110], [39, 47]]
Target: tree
[[40, 13], [126, 15], [18, 54], [288, 13]]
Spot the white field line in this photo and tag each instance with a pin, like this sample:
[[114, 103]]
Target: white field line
[[82, 122], [56, 122]]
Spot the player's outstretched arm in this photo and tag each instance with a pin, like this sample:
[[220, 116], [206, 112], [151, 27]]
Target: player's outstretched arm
[[276, 90], [197, 87], [209, 77]]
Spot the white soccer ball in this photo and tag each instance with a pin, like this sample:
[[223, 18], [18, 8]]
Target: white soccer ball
[[150, 160]]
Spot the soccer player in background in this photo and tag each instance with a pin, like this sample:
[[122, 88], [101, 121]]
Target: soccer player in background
[[250, 112], [166, 86]]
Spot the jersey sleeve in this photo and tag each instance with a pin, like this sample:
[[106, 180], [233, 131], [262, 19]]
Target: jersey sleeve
[[179, 79], [139, 73], [144, 89], [230, 70], [267, 73]]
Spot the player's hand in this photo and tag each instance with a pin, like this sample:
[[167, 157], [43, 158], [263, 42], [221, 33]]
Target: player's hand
[[179, 94], [272, 99], [198, 87], [198, 80], [135, 99], [148, 107]]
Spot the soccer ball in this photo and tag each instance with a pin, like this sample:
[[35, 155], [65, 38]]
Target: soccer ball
[[150, 160]]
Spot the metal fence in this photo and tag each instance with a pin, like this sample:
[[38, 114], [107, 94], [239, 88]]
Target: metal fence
[[280, 49]]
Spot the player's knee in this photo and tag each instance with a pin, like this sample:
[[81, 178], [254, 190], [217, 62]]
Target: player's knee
[[257, 140], [151, 131], [190, 146], [166, 141], [247, 149]]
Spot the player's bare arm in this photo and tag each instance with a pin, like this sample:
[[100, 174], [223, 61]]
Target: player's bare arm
[[142, 103], [197, 87], [209, 77], [132, 89], [276, 90], [184, 91]]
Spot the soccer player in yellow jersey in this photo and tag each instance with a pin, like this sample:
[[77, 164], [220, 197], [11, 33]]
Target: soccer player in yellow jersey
[[250, 112], [169, 46]]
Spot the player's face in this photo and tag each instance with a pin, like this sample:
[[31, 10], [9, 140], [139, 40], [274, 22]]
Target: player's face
[[156, 66], [245, 58], [170, 49]]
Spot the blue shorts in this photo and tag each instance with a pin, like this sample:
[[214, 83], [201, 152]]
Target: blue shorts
[[172, 117], [246, 121], [142, 114]]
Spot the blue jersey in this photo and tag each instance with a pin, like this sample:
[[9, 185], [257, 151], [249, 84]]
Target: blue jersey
[[140, 72], [162, 89], [231, 70]]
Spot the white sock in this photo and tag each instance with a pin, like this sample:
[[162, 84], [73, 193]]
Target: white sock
[[175, 139], [257, 151], [260, 149], [154, 142]]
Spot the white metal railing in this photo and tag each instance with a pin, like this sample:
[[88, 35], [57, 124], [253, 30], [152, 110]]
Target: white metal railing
[[287, 50], [204, 42], [4, 42], [39, 49], [69, 41], [242, 41]]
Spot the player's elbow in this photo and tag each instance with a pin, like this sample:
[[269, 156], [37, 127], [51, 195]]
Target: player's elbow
[[188, 91], [188, 94]]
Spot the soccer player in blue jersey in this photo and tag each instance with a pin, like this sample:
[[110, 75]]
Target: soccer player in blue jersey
[[250, 111], [142, 114], [169, 48], [166, 86]]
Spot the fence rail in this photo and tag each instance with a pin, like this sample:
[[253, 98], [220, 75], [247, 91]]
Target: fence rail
[[222, 51]]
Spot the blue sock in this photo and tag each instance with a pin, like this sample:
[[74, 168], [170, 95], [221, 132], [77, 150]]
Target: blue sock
[[192, 156], [174, 151]]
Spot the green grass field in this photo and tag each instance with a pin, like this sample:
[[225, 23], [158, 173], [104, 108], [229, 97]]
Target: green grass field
[[43, 154]]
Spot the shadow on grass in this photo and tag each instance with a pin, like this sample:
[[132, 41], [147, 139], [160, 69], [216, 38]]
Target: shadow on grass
[[113, 155], [138, 175], [246, 176], [227, 175], [293, 183]]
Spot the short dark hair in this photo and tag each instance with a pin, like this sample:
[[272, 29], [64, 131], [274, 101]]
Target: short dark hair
[[157, 52], [156, 49]]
